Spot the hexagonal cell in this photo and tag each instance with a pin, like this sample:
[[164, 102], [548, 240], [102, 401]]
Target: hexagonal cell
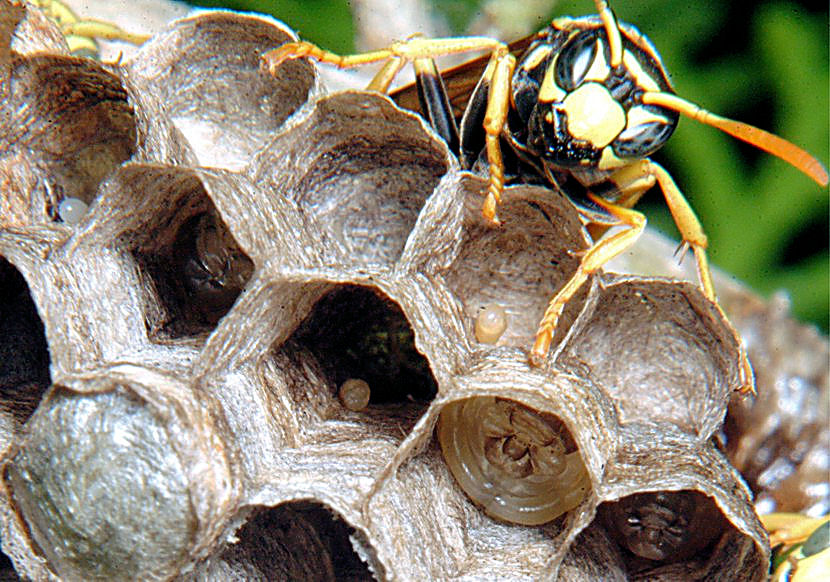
[[660, 350], [70, 120], [300, 540], [206, 71], [360, 170], [357, 333], [667, 535], [95, 507], [121, 476], [662, 527], [194, 268], [24, 354], [519, 265]]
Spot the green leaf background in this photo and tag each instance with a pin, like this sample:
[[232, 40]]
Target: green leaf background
[[762, 62]]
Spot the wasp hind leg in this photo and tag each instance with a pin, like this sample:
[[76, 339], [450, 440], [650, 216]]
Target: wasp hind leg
[[594, 258]]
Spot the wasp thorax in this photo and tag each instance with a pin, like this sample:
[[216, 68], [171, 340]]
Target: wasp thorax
[[522, 466]]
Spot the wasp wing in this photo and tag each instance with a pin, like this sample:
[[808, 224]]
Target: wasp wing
[[460, 81]]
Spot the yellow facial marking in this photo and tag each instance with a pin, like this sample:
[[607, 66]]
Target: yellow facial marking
[[639, 115], [599, 70], [593, 115], [550, 92], [609, 160], [644, 80]]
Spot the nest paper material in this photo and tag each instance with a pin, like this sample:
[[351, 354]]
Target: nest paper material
[[172, 362]]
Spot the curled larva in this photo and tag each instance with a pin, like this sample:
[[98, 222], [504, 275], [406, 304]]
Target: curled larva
[[214, 269], [664, 526], [354, 394], [520, 465], [491, 322]]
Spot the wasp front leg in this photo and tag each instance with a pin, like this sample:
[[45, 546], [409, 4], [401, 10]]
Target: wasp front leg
[[394, 57]]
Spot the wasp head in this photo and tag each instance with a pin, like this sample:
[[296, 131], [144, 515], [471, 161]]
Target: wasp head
[[581, 110]]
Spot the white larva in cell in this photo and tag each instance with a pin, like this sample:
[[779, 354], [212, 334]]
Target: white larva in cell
[[354, 394], [520, 465], [72, 210], [490, 324]]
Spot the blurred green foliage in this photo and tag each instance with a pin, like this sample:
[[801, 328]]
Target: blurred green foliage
[[763, 62]]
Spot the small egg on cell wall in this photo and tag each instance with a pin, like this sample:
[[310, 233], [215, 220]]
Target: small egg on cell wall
[[491, 322]]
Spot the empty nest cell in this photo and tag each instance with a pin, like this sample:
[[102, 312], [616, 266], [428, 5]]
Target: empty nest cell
[[359, 171], [206, 72], [364, 342], [300, 540], [24, 354]]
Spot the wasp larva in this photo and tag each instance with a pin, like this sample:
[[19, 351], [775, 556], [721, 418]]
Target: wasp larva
[[354, 394], [214, 268], [664, 526], [520, 465], [490, 323]]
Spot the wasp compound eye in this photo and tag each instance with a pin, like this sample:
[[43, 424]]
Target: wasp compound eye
[[576, 60]]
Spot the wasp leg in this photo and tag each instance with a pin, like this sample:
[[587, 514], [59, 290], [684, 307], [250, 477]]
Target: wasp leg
[[104, 30], [399, 53], [595, 257], [687, 223], [498, 104], [693, 236]]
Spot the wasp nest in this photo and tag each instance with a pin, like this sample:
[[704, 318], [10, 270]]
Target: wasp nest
[[282, 343]]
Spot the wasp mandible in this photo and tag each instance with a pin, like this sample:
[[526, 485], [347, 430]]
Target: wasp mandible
[[582, 108]]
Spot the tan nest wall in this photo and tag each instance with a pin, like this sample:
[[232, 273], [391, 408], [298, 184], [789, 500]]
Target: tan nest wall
[[170, 400]]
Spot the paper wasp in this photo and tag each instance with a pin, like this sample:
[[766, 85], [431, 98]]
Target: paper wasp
[[581, 105]]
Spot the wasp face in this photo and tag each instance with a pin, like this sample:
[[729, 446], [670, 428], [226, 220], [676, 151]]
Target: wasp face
[[580, 111]]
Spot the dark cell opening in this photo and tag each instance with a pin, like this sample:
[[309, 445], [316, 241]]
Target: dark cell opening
[[357, 332], [24, 354], [7, 572], [197, 277], [297, 541]]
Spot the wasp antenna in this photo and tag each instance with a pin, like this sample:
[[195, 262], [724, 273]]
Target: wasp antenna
[[764, 140], [609, 22]]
